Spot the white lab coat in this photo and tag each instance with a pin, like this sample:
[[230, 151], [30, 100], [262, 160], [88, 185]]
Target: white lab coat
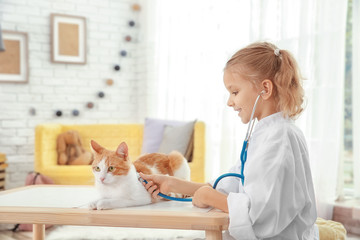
[[277, 200]]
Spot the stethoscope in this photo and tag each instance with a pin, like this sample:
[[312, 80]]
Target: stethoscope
[[243, 158], [243, 155]]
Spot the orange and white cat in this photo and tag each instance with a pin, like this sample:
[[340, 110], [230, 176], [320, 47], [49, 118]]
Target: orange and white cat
[[117, 180]]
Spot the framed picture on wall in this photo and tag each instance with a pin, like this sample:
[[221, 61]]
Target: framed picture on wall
[[68, 39], [14, 60]]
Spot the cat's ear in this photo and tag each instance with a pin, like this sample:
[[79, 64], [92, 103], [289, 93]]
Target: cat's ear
[[122, 150], [95, 147]]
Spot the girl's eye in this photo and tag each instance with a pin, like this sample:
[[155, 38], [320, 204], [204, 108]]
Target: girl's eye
[[97, 169], [111, 169], [235, 93]]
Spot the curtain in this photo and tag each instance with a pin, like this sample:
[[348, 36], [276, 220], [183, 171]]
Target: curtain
[[314, 31], [193, 41], [324, 118], [356, 96]]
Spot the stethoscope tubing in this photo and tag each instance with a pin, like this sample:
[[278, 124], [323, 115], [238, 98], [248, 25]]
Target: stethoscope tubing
[[214, 187]]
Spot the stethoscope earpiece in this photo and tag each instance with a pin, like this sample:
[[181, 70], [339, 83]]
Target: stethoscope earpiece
[[262, 92]]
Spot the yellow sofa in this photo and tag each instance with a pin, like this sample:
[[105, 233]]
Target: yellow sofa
[[109, 136]]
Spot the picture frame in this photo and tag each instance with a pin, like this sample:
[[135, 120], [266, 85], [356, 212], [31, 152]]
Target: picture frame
[[68, 39], [14, 61]]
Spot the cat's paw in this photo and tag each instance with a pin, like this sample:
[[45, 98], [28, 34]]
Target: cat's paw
[[103, 204], [92, 205]]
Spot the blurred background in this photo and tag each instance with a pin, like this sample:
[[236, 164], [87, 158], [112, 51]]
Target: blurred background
[[165, 58]]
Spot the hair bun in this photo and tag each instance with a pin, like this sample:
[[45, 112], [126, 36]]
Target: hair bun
[[277, 52]]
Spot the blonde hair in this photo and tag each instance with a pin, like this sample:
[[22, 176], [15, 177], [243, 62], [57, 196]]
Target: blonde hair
[[263, 60]]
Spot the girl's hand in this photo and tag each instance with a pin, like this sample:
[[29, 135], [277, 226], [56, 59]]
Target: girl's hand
[[156, 184], [201, 197]]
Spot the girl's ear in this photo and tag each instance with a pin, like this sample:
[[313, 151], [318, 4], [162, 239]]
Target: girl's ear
[[95, 147], [267, 87], [122, 150]]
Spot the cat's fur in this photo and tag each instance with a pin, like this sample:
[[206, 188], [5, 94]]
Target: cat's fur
[[119, 186]]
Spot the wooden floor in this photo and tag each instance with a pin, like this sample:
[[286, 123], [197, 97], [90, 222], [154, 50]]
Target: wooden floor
[[349, 237], [9, 235]]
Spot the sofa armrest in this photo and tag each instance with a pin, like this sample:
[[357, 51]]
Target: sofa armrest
[[197, 165]]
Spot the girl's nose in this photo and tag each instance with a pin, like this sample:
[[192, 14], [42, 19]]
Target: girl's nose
[[230, 103]]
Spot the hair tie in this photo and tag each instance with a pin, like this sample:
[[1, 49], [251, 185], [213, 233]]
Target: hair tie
[[277, 52]]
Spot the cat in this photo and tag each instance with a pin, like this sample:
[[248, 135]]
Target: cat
[[117, 179]]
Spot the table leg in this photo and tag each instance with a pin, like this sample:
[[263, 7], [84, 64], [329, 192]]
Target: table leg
[[213, 235], [38, 232]]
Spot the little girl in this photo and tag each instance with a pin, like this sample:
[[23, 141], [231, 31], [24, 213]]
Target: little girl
[[277, 198]]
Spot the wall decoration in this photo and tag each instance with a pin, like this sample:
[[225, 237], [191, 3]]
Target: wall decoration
[[128, 38], [58, 113], [14, 60], [68, 39], [109, 82], [123, 53], [117, 67], [136, 7], [101, 94], [90, 105], [75, 112], [32, 111], [131, 23], [2, 46]]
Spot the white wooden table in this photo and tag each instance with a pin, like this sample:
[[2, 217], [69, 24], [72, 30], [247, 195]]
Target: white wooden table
[[64, 205]]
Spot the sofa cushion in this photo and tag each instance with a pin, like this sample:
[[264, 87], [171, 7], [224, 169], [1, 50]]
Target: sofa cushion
[[177, 138]]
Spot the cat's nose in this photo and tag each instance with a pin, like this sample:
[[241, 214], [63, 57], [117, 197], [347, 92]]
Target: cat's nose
[[102, 179]]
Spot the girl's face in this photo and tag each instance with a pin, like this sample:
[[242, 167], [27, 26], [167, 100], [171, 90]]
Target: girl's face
[[242, 95]]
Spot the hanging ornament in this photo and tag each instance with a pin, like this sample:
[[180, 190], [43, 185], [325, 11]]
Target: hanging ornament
[[101, 94], [32, 111], [90, 105], [109, 82], [123, 53], [131, 23], [58, 113], [117, 67], [75, 112], [136, 7]]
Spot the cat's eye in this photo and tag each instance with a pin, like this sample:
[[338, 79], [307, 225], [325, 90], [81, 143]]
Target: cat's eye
[[111, 169], [97, 169]]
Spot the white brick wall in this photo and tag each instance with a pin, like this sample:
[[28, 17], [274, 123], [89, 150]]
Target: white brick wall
[[54, 86]]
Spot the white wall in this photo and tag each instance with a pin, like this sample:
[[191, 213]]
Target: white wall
[[54, 86]]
